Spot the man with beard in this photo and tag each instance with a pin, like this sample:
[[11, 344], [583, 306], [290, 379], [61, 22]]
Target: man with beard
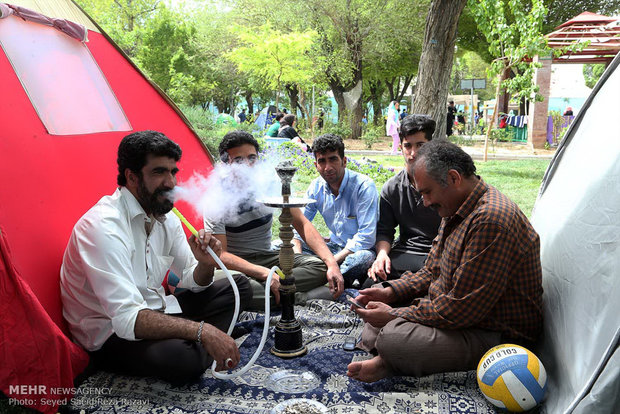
[[116, 260], [480, 286]]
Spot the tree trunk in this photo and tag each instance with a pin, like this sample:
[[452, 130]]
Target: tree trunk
[[250, 102], [403, 90], [436, 61], [304, 109], [503, 96], [376, 90], [492, 120], [291, 91], [338, 92]]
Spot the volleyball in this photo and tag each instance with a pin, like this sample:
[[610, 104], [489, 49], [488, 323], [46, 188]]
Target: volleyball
[[512, 377]]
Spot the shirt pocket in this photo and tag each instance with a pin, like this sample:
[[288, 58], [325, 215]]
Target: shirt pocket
[[155, 276], [350, 224]]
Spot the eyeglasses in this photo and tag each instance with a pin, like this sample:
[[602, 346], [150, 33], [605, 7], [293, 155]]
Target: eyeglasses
[[251, 159]]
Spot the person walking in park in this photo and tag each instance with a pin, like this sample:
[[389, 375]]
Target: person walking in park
[[392, 126]]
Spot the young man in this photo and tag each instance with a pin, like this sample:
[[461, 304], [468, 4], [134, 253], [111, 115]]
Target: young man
[[481, 285], [400, 205], [275, 127], [246, 239], [113, 268], [348, 203]]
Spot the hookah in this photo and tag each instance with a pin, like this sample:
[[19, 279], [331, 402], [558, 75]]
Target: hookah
[[288, 337]]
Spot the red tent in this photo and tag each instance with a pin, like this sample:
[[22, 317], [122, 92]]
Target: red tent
[[65, 105]]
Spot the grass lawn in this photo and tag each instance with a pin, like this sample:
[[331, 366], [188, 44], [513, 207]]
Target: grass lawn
[[518, 179]]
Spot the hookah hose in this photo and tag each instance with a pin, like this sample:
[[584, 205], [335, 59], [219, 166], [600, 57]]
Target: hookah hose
[[236, 313]]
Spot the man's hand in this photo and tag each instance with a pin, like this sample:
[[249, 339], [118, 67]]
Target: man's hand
[[220, 346], [275, 284], [335, 281], [381, 267], [376, 294], [199, 247], [376, 313]]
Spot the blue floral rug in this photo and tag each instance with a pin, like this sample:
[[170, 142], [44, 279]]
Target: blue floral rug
[[325, 326]]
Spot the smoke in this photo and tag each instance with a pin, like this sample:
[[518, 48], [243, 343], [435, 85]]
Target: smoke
[[228, 187]]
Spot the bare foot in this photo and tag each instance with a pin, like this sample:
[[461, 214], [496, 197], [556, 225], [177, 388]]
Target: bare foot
[[368, 371]]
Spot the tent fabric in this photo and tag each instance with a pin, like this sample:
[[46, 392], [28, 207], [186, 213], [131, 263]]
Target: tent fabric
[[56, 179], [34, 351], [75, 30], [577, 216]]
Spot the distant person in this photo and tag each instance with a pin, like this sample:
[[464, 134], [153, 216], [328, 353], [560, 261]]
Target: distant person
[[242, 116], [246, 238], [403, 114], [480, 286], [400, 206], [569, 111], [275, 127], [450, 118], [271, 115], [347, 201], [392, 125], [287, 130], [320, 120], [460, 117], [114, 265]]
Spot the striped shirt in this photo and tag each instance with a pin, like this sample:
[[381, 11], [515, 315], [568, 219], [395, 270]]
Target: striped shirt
[[483, 271]]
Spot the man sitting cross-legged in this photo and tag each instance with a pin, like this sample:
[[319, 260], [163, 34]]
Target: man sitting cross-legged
[[347, 200], [400, 205], [113, 268], [480, 286], [246, 238]]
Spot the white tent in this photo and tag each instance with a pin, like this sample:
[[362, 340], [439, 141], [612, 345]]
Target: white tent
[[577, 215]]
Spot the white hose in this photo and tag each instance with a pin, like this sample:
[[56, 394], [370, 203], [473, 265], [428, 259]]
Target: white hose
[[236, 314]]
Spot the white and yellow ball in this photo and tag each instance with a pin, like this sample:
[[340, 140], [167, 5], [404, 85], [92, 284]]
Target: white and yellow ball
[[512, 377]]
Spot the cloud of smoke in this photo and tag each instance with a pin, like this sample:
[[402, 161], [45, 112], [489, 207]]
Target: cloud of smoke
[[219, 195]]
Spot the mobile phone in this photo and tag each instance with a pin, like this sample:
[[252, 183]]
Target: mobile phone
[[353, 300], [349, 343]]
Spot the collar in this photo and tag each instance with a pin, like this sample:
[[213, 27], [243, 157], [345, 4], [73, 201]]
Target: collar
[[135, 209], [472, 200]]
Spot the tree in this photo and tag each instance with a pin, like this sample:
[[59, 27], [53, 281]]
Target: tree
[[513, 30], [274, 57], [122, 20], [560, 11], [592, 73], [431, 92]]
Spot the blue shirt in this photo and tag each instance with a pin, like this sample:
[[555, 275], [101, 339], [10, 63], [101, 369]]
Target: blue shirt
[[352, 215]]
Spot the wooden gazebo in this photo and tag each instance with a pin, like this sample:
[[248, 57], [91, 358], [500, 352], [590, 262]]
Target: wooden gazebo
[[602, 34]]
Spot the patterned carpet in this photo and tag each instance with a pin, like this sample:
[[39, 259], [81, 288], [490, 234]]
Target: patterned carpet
[[325, 325]]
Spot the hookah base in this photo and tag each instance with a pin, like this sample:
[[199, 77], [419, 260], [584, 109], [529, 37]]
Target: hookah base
[[288, 341], [289, 354]]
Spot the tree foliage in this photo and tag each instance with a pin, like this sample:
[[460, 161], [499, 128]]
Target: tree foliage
[[274, 57]]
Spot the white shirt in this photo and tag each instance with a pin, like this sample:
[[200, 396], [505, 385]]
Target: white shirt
[[112, 269]]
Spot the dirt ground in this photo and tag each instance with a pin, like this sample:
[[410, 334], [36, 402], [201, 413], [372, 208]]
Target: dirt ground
[[516, 148]]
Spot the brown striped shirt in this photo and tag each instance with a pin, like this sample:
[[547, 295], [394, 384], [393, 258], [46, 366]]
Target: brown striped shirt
[[483, 271]]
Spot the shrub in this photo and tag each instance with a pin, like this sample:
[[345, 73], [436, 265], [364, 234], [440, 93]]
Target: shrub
[[372, 134]]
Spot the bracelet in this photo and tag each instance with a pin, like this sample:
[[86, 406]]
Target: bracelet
[[199, 338]]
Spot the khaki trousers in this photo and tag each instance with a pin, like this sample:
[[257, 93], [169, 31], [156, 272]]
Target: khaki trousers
[[412, 349]]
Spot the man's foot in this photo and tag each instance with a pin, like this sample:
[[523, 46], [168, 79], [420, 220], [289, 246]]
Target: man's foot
[[368, 371]]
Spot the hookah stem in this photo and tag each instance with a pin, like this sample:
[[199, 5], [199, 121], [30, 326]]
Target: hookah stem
[[274, 269]]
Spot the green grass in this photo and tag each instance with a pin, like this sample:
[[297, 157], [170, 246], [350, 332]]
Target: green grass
[[518, 179]]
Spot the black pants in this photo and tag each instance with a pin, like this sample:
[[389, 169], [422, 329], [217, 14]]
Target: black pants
[[176, 360], [401, 262]]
